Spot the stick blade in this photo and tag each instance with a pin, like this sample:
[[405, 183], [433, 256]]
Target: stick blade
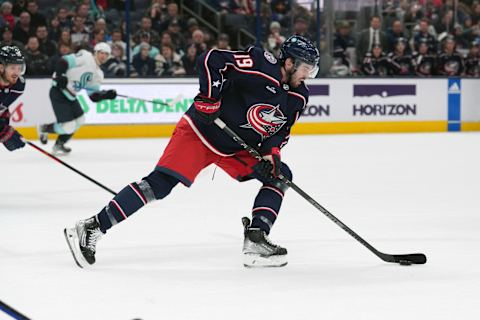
[[414, 258]]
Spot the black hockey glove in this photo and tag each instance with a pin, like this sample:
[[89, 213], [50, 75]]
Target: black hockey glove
[[103, 95], [61, 80], [11, 139], [207, 109], [269, 168]]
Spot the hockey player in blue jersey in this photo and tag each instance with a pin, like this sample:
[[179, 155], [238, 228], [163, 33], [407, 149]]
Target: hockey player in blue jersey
[[258, 97], [12, 85]]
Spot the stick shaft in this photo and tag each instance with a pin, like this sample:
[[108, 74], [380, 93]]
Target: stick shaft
[[51, 156], [303, 194]]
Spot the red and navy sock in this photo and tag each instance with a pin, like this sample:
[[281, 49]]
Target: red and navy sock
[[266, 207], [130, 199]]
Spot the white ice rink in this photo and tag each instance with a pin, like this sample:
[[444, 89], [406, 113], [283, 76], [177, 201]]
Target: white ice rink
[[180, 258]]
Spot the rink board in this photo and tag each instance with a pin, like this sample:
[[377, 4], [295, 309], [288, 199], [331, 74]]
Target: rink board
[[335, 106]]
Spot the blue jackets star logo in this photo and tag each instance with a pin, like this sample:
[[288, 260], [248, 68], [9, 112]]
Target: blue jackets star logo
[[265, 119]]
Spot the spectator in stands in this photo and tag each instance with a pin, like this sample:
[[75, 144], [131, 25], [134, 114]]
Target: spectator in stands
[[223, 42], [343, 38], [146, 27], [414, 14], [54, 29], [462, 42], [172, 15], [22, 30], [117, 39], [450, 62], [445, 24], [425, 34], [393, 33], [47, 46], [142, 63], [168, 63], [189, 60], [63, 49], [176, 35], [157, 13], [145, 39], [83, 11], [470, 32], [37, 62], [36, 18], [280, 9], [368, 37], [7, 39], [192, 25], [79, 31], [18, 7], [65, 38], [475, 13], [6, 13], [275, 38], [101, 24], [64, 20], [116, 65], [375, 62], [198, 39], [300, 27], [424, 59], [98, 35]]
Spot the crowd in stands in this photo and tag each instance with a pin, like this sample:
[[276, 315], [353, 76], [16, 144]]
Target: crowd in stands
[[423, 37]]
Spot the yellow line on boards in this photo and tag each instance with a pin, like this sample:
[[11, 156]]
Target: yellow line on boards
[[165, 130]]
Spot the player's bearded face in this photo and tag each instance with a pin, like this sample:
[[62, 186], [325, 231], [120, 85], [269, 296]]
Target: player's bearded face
[[300, 72], [13, 72]]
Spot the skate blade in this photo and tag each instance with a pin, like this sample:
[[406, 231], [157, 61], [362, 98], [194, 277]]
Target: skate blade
[[59, 153], [257, 261], [72, 240]]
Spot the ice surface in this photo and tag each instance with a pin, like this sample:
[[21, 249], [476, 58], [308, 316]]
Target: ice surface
[[180, 258]]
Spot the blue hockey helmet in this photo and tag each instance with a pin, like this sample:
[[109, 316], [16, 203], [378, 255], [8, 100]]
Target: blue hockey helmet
[[300, 49]]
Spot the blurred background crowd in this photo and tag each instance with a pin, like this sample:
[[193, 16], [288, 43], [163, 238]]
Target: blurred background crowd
[[162, 38]]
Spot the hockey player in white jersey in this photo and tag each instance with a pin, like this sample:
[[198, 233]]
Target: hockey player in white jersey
[[73, 73]]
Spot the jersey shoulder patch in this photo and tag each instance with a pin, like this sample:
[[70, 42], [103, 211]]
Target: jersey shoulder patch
[[270, 58]]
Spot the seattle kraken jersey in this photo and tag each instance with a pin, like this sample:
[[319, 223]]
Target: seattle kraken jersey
[[255, 104], [82, 73]]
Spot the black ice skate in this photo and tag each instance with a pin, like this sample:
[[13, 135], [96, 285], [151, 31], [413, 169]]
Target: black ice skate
[[82, 241], [42, 134], [60, 149], [259, 251]]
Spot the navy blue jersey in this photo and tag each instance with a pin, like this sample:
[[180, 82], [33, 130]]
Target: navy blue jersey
[[255, 104], [7, 96]]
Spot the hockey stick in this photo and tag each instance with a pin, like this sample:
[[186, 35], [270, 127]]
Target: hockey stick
[[69, 167], [12, 312], [168, 104], [403, 259]]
